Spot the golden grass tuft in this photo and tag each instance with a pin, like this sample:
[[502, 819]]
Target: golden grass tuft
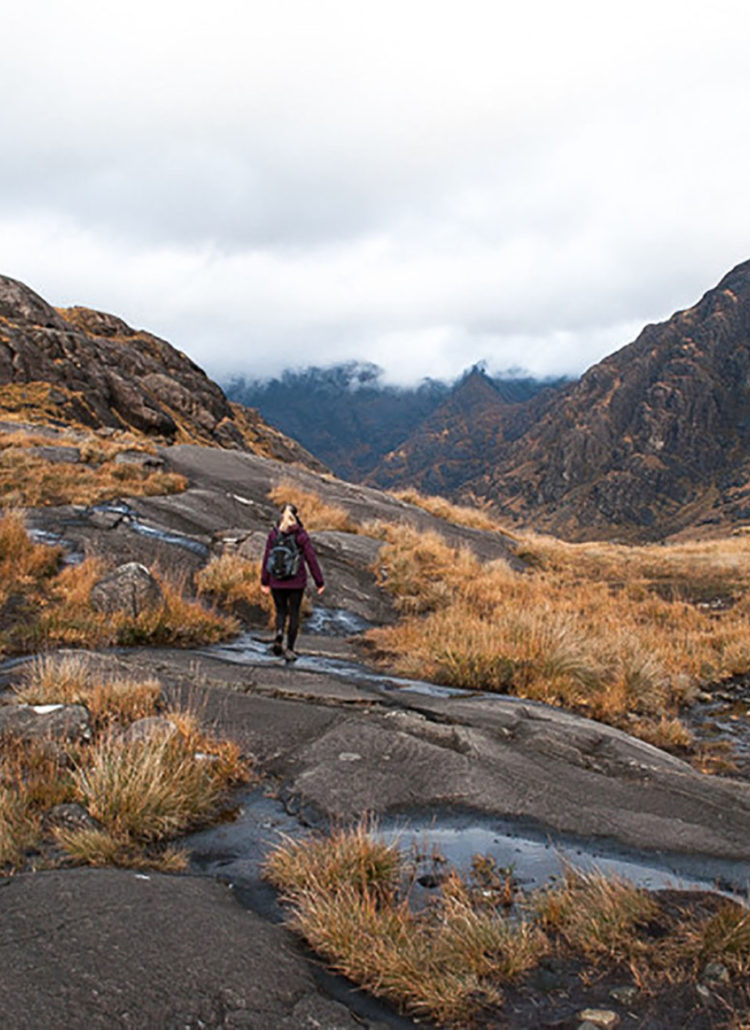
[[442, 962], [73, 679], [27, 479], [229, 578], [598, 917], [345, 858], [142, 790], [33, 778], [449, 960], [147, 790], [315, 513]]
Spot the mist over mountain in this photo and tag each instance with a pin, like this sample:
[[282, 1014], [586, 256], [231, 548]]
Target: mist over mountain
[[351, 419]]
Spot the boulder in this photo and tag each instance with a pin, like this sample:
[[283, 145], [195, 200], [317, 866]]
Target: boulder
[[45, 722], [130, 588]]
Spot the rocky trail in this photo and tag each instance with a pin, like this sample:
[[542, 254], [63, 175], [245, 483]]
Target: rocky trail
[[334, 740]]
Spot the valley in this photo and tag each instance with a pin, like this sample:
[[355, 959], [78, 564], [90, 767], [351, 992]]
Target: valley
[[461, 674]]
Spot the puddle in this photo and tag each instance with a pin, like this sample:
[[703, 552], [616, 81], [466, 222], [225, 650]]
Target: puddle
[[250, 650], [726, 718], [70, 556], [234, 852], [537, 859], [130, 519], [335, 622]]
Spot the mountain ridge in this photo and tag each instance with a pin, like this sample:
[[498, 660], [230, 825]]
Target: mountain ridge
[[89, 368]]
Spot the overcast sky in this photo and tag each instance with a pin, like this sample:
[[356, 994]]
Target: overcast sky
[[420, 183]]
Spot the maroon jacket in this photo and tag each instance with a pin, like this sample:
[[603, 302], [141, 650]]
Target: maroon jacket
[[309, 557]]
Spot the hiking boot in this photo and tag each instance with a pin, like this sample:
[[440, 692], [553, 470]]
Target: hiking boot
[[290, 656], [276, 647]]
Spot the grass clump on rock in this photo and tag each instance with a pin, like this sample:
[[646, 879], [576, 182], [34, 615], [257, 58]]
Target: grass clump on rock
[[28, 478], [454, 959], [347, 897], [316, 513], [142, 774]]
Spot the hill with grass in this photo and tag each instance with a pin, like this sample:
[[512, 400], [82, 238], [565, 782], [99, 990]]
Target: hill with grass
[[653, 440], [75, 367]]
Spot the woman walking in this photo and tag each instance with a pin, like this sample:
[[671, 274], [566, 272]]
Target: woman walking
[[284, 576]]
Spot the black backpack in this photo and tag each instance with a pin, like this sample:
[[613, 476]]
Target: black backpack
[[284, 556]]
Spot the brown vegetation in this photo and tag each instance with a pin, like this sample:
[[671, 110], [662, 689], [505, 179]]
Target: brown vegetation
[[28, 479], [626, 635], [458, 514], [349, 897], [141, 791], [42, 606], [314, 511]]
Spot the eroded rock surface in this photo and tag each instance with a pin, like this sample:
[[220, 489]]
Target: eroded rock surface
[[111, 948]]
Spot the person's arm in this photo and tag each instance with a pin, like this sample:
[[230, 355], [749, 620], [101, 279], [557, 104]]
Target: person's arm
[[312, 561]]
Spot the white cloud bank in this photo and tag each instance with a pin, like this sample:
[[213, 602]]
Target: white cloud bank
[[420, 184]]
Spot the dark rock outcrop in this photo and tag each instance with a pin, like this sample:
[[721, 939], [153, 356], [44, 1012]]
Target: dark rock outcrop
[[91, 368]]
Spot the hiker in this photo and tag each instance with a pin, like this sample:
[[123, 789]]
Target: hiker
[[284, 576]]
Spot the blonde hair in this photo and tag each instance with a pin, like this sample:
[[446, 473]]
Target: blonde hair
[[288, 518]]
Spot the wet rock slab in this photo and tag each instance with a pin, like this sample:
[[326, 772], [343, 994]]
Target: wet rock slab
[[113, 948]]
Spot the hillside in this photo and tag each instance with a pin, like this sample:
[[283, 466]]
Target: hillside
[[650, 441], [451, 446], [368, 430], [79, 367], [344, 414]]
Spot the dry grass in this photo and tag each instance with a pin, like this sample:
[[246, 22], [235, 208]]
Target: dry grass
[[74, 679], [141, 791], [41, 607], [345, 899], [596, 916], [458, 514], [315, 513], [27, 479], [33, 778], [626, 635], [229, 578], [346, 858], [348, 896]]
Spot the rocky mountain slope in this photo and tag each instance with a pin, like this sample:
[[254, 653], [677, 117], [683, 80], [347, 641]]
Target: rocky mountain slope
[[653, 439], [351, 419], [451, 446], [83, 367]]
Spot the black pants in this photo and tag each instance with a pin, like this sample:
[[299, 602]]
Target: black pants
[[287, 603]]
